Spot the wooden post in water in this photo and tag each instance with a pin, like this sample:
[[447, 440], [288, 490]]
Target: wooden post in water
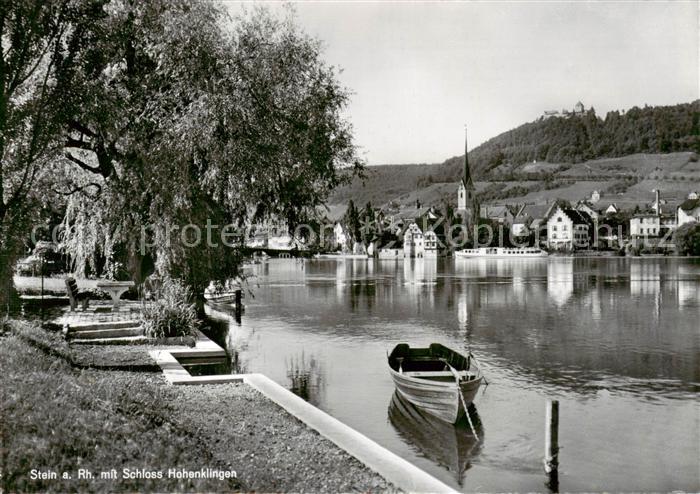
[[551, 445], [239, 304]]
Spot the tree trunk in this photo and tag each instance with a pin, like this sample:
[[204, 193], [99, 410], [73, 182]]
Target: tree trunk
[[8, 294]]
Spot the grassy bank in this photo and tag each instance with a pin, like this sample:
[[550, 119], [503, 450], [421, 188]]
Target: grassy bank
[[100, 357], [59, 418]]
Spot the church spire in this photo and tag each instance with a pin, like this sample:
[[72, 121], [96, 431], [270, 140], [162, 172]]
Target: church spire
[[467, 178]]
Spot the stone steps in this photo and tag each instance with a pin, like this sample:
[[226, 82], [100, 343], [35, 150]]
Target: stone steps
[[95, 326], [89, 334], [126, 340]]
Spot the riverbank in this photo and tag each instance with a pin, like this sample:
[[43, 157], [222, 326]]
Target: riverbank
[[60, 418]]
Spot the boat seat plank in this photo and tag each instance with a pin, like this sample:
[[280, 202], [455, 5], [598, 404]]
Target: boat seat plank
[[432, 373]]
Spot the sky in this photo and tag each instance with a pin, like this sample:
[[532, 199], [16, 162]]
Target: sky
[[420, 71]]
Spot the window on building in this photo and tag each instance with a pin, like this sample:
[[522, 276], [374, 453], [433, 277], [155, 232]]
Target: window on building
[[559, 219]]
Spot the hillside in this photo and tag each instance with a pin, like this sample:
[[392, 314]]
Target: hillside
[[629, 180], [625, 154]]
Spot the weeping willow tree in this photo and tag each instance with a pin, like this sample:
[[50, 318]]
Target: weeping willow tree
[[191, 118], [40, 44]]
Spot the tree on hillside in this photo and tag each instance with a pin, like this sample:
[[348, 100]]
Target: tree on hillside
[[188, 124]]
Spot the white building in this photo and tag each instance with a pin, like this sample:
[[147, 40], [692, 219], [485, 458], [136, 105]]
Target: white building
[[612, 209], [669, 221], [413, 241], [430, 241], [568, 229], [519, 227], [645, 225], [390, 253], [419, 243], [689, 211], [340, 236]]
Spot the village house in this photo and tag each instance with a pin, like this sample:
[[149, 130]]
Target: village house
[[395, 221], [340, 236], [689, 211], [431, 244], [390, 253], [612, 209], [537, 214], [499, 213], [645, 225], [413, 241], [568, 229], [419, 243], [520, 225], [586, 208], [668, 221]]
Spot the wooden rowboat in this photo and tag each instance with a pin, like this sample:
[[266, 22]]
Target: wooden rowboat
[[225, 300], [436, 379]]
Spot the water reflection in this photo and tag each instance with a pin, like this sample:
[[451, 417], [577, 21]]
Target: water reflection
[[560, 280], [616, 339], [645, 278], [688, 288], [450, 446]]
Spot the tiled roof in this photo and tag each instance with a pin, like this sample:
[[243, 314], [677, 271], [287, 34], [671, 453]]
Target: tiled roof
[[576, 216], [536, 210]]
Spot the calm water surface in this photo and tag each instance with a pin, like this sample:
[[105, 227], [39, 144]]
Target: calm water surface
[[616, 341]]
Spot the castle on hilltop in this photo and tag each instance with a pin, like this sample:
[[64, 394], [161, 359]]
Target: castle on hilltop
[[578, 111]]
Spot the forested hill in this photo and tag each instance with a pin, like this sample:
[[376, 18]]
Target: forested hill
[[565, 149], [660, 129]]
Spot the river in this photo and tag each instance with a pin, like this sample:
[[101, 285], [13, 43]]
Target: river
[[615, 340]]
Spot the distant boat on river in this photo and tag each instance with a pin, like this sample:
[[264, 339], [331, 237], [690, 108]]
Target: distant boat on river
[[341, 256], [436, 379], [504, 252]]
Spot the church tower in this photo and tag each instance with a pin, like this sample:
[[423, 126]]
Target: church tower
[[467, 204]]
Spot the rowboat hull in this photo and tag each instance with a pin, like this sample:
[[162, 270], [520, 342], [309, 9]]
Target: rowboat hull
[[437, 380], [225, 302], [436, 398]]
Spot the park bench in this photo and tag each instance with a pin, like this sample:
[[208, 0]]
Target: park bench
[[74, 296]]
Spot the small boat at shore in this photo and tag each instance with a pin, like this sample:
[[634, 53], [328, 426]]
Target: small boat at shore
[[224, 301], [223, 298], [436, 379], [501, 252]]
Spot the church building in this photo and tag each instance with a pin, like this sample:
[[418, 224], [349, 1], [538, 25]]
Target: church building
[[467, 203]]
